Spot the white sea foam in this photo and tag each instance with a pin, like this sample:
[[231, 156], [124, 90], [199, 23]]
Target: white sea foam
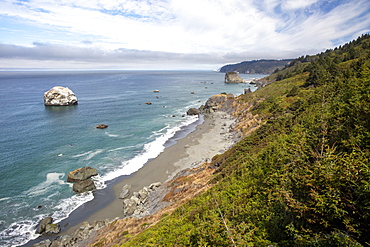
[[23, 231], [123, 148], [111, 135], [150, 151], [67, 206], [47, 185], [89, 155]]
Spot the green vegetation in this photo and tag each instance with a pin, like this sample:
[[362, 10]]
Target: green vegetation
[[256, 66], [302, 178]]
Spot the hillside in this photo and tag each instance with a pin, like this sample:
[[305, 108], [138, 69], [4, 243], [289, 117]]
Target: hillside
[[301, 175], [256, 66]]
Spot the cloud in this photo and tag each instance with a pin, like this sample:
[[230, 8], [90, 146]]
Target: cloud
[[192, 30]]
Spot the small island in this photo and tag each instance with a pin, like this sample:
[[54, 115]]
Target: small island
[[60, 96]]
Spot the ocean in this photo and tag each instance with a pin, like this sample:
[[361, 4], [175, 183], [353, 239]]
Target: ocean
[[40, 145]]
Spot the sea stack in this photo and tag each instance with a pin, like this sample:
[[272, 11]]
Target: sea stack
[[81, 179], [233, 77], [60, 96]]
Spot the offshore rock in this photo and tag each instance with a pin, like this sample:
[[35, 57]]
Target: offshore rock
[[83, 186], [81, 174], [233, 77], [101, 126], [60, 96]]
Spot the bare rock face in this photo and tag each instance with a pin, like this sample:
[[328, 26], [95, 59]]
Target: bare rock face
[[60, 96], [83, 186], [137, 205], [218, 102], [81, 174], [46, 226], [233, 77], [193, 111]]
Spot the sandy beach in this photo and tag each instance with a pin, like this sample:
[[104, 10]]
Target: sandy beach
[[211, 137]]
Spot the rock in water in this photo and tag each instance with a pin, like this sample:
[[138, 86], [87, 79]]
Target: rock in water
[[83, 186], [60, 96], [46, 226], [101, 126], [43, 223], [81, 174], [233, 77]]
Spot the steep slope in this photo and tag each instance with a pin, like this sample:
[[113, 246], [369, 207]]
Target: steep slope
[[300, 177]]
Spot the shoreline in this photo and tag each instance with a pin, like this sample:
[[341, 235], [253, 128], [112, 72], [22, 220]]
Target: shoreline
[[187, 149]]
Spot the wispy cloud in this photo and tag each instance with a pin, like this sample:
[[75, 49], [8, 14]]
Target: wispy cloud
[[211, 32]]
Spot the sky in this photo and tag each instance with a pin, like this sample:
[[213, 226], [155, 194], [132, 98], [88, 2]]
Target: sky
[[171, 34]]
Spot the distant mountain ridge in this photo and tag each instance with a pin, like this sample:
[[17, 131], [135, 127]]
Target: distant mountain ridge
[[263, 66]]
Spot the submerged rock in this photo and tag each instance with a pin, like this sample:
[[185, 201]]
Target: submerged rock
[[60, 96], [81, 174]]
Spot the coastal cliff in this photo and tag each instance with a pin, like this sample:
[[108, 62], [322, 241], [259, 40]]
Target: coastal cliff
[[297, 176]]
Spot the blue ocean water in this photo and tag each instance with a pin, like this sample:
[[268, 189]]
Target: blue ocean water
[[40, 145]]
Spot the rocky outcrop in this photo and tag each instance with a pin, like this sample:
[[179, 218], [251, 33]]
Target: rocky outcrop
[[218, 102], [137, 205], [46, 226], [78, 238], [81, 174], [193, 111], [60, 96], [247, 90], [83, 186], [233, 77], [125, 191], [81, 179], [101, 126]]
